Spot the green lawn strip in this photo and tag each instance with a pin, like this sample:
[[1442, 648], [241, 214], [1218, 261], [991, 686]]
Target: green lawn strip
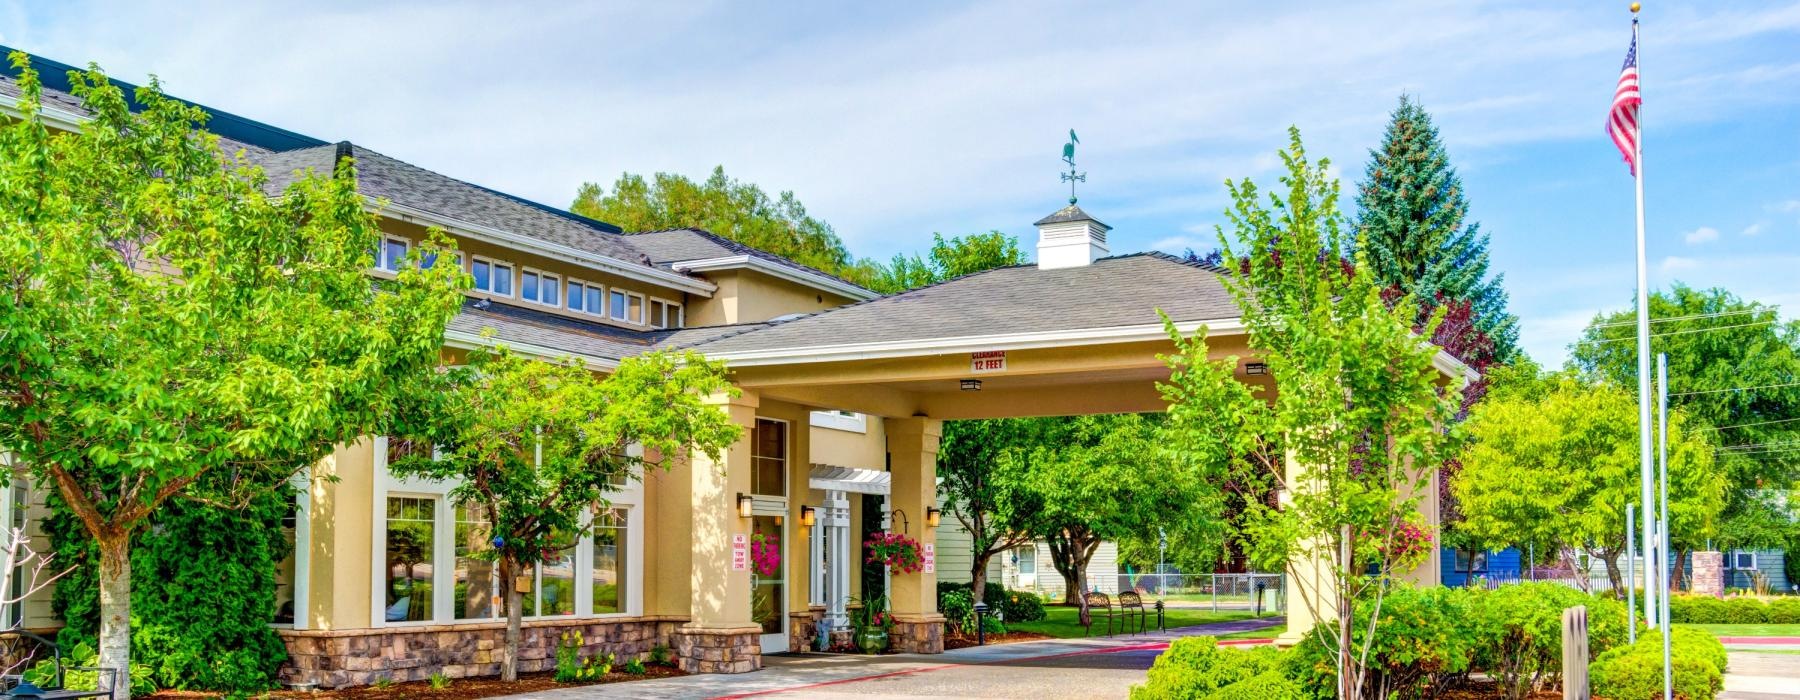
[[1264, 633], [1749, 630], [1061, 621]]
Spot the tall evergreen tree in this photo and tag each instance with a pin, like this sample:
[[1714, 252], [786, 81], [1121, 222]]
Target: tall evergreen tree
[[1410, 218]]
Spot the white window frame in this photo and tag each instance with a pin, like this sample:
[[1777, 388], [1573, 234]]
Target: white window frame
[[542, 276], [643, 306], [668, 307], [629, 499], [513, 285], [585, 285], [382, 262], [1737, 557], [846, 421]]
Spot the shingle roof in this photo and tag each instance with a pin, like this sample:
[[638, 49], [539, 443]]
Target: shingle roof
[[1118, 291], [670, 246], [1069, 214], [519, 325]]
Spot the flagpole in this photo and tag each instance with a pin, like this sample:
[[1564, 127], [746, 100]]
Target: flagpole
[[1643, 337], [1662, 525]]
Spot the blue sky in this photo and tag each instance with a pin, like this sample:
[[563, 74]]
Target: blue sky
[[893, 122]]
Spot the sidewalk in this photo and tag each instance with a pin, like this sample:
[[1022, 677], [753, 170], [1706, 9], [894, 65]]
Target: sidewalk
[[1761, 675], [781, 674]]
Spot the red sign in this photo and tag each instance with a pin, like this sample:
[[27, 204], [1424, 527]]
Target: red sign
[[930, 558], [740, 552], [987, 361]]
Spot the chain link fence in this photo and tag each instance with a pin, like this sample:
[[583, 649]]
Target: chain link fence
[[1264, 594]]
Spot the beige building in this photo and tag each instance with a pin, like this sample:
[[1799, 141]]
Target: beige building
[[843, 397]]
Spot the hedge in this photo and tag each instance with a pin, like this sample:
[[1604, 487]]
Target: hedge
[[1741, 610], [1697, 665], [1197, 667]]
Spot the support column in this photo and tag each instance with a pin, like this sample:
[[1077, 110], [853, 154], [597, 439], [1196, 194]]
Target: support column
[[719, 636], [912, 452], [1312, 580]]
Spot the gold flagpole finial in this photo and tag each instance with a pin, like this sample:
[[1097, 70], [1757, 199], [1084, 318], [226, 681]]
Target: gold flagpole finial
[[1635, 7]]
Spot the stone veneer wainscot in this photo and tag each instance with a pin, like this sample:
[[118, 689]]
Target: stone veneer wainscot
[[335, 659]]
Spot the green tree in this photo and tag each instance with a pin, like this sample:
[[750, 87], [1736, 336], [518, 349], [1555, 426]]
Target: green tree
[[948, 259], [1096, 478], [1410, 217], [536, 444], [979, 492], [738, 210], [1555, 470], [165, 320], [1732, 366], [1358, 405]]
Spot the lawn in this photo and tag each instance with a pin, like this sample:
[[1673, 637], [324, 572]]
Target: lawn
[[1265, 633], [1749, 630], [1061, 621]]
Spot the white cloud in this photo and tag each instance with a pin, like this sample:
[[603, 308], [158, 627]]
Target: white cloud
[[1753, 229], [1676, 263], [1789, 206], [1704, 234], [1180, 244]]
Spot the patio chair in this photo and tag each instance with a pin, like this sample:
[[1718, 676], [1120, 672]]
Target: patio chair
[[1129, 601], [1098, 605], [15, 684]]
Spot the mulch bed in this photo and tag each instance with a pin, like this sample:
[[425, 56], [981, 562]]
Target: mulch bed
[[957, 641], [460, 689], [1476, 689]]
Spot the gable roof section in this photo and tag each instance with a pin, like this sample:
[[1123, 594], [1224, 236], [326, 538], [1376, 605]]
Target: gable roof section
[[1112, 298], [703, 250]]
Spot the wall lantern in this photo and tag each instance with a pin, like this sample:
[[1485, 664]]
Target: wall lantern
[[1256, 368], [807, 516], [971, 385], [933, 516], [745, 503]]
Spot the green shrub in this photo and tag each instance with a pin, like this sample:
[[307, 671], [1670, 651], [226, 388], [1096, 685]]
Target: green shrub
[[635, 667], [659, 655], [1519, 632], [203, 591], [1022, 606], [1782, 611], [1745, 611], [1268, 685], [43, 675], [1197, 667], [958, 607], [439, 681], [1424, 640], [1697, 668], [1698, 610]]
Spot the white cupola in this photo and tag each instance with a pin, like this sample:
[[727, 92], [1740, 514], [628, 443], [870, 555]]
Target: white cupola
[[1070, 238]]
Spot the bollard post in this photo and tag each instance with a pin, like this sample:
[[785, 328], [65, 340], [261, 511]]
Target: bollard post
[[980, 623], [1575, 653]]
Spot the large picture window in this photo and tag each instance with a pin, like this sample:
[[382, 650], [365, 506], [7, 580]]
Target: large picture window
[[610, 545], [476, 577], [768, 454], [411, 540]]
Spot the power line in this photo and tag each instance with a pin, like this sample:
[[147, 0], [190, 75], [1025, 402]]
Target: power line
[[1689, 317], [1748, 425], [1741, 388], [1691, 330], [1759, 445]]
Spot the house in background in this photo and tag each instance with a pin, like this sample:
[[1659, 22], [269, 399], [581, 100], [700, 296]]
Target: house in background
[[1025, 568]]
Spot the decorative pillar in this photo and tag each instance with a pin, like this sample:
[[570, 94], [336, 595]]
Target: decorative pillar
[[1312, 580], [837, 584], [1709, 574], [912, 452], [719, 636]]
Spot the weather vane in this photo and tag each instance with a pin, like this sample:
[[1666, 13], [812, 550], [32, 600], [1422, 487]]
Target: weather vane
[[1072, 177]]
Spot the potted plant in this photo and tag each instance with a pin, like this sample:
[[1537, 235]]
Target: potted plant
[[895, 551], [872, 622]]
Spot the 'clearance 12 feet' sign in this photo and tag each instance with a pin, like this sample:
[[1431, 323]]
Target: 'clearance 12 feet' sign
[[987, 361]]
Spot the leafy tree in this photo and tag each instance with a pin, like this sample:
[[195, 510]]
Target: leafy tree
[[1096, 478], [979, 493], [1358, 406], [949, 259], [1410, 219], [166, 321], [740, 211], [1557, 469], [536, 444], [1719, 345]]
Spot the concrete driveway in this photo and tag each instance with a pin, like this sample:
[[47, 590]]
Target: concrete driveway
[[1067, 668]]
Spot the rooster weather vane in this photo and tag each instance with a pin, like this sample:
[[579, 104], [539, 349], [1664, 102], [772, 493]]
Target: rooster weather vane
[[1072, 177]]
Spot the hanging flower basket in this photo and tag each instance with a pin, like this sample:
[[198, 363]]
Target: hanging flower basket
[[765, 554], [898, 552]]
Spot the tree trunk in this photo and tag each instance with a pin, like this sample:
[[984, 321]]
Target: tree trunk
[[978, 576], [1080, 584], [115, 612], [509, 653], [1611, 559]]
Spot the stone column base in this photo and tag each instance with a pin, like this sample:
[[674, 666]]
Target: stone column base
[[708, 650], [923, 634], [803, 628]]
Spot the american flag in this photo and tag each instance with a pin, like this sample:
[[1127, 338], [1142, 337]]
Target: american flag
[[1622, 123]]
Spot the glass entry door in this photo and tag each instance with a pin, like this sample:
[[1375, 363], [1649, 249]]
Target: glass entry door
[[768, 588]]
